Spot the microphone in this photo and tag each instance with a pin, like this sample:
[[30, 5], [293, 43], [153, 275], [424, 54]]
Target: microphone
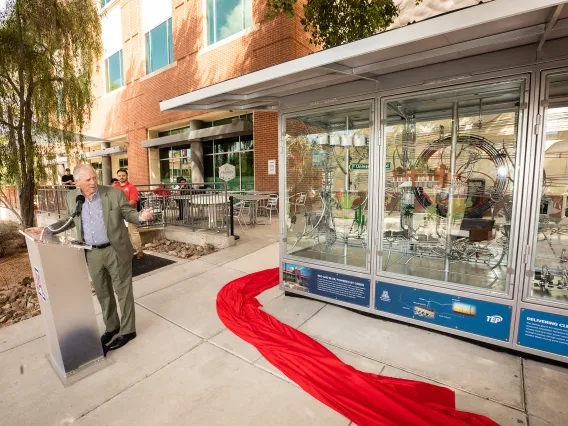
[[79, 200]]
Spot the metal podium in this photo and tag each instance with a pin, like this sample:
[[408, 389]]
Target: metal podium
[[61, 278]]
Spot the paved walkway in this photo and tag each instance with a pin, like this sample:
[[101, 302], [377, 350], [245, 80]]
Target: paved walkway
[[186, 368]]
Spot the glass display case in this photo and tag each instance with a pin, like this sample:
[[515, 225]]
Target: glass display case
[[449, 179], [550, 253], [327, 185]]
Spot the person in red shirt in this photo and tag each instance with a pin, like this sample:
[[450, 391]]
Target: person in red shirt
[[132, 195]]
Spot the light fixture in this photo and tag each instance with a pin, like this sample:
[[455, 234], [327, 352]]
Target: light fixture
[[335, 139], [360, 140], [322, 139]]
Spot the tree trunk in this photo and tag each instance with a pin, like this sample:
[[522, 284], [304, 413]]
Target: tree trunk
[[27, 202]]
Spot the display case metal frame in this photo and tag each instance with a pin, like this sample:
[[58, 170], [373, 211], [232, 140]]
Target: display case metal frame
[[533, 80]]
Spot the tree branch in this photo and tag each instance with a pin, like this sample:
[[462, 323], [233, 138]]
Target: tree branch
[[10, 82], [4, 200]]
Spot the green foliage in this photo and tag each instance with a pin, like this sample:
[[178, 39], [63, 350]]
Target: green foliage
[[334, 22], [48, 52], [276, 7]]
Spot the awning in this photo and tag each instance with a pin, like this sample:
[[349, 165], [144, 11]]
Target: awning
[[113, 150], [487, 27], [236, 128]]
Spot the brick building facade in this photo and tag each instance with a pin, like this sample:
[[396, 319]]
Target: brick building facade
[[130, 114]]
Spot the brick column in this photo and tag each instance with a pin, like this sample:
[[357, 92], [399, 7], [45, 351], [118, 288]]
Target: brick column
[[265, 148]]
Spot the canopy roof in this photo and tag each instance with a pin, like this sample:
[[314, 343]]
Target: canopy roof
[[484, 28]]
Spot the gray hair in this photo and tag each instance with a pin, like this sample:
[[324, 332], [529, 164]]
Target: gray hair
[[80, 168]]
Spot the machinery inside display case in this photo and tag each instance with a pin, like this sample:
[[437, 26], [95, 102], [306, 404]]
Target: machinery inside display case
[[327, 185], [449, 178], [550, 256]]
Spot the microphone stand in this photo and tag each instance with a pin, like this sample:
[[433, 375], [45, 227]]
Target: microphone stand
[[77, 210]]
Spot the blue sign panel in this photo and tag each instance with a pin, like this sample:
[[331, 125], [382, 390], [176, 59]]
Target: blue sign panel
[[473, 316], [543, 331], [345, 288]]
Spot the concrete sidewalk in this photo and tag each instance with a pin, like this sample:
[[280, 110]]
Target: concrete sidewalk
[[186, 368]]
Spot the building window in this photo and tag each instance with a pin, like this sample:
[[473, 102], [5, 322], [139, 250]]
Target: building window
[[239, 152], [114, 72], [175, 164], [105, 2], [98, 166], [227, 17], [123, 163], [159, 47], [173, 131]]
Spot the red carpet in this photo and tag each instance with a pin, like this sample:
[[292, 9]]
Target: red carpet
[[364, 398]]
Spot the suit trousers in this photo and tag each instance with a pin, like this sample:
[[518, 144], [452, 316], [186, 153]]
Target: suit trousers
[[135, 236], [108, 272]]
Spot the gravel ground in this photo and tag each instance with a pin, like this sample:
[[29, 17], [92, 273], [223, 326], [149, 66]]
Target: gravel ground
[[18, 297]]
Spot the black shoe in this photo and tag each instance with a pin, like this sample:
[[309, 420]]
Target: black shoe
[[120, 341], [107, 337]]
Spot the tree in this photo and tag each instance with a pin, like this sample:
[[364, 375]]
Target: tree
[[48, 52], [334, 22]]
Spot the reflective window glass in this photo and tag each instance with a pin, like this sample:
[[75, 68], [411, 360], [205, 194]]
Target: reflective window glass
[[449, 180], [550, 253], [327, 171], [114, 73], [227, 17], [159, 47]]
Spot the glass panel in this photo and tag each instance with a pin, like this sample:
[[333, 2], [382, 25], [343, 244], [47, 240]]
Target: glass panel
[[114, 71], [208, 169], [207, 148], [247, 171], [170, 42], [228, 18], [247, 143], [449, 190], [164, 153], [211, 21], [248, 13], [550, 257], [165, 171], [327, 169], [227, 145], [159, 49], [233, 158]]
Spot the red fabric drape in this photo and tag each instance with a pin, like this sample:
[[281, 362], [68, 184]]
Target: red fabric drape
[[364, 398]]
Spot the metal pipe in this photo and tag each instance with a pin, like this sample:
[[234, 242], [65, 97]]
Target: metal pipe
[[455, 124]]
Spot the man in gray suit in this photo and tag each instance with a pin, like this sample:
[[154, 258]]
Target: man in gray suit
[[101, 225]]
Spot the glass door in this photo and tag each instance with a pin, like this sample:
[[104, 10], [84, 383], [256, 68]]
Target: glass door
[[327, 185], [549, 259], [449, 180]]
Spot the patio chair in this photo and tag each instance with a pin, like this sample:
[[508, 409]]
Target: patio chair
[[238, 211], [271, 205], [300, 201]]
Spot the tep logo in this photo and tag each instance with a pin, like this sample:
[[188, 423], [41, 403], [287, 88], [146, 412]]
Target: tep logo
[[494, 319], [385, 296]]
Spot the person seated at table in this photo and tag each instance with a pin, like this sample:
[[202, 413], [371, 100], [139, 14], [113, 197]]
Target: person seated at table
[[183, 188], [162, 191]]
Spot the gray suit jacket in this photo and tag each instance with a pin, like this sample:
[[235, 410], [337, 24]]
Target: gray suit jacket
[[116, 209]]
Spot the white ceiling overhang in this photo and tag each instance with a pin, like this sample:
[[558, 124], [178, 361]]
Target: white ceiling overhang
[[484, 28]]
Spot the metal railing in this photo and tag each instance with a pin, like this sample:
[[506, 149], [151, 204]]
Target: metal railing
[[52, 199], [196, 206]]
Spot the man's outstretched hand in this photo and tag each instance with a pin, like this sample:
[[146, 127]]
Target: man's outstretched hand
[[146, 215]]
